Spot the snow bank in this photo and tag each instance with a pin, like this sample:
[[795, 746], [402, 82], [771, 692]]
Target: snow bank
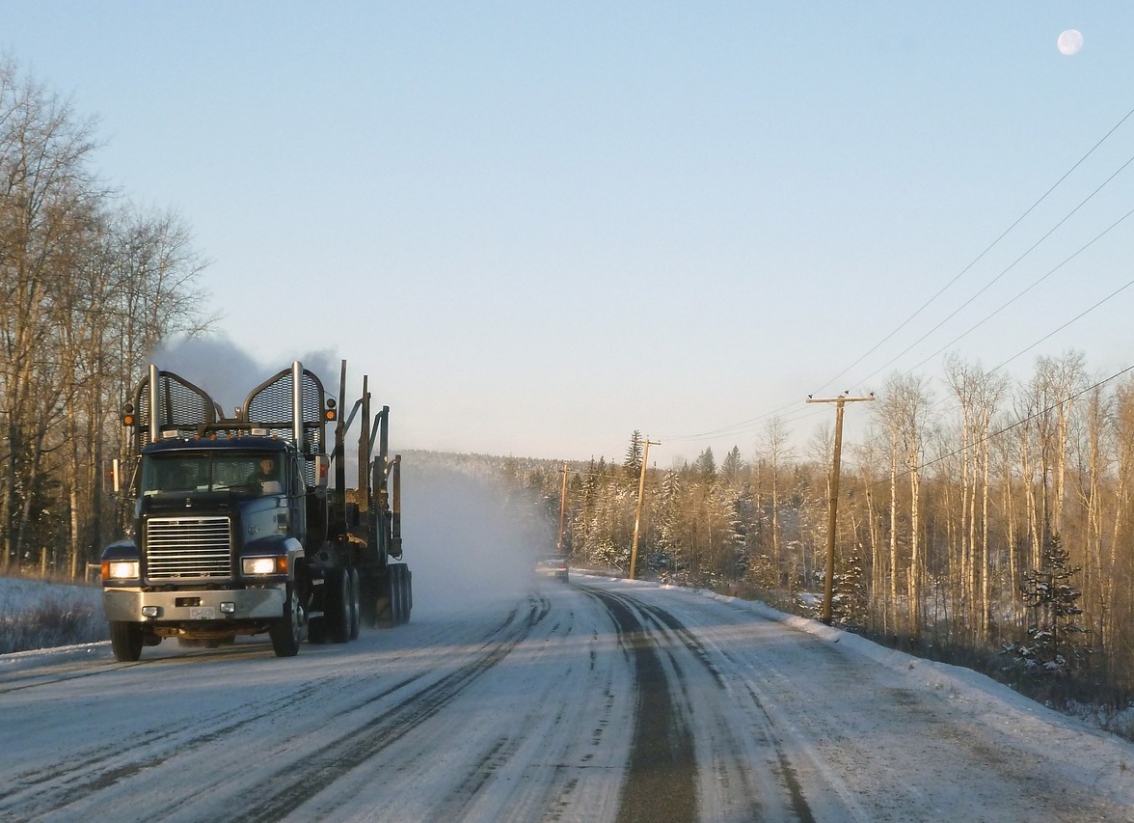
[[35, 614]]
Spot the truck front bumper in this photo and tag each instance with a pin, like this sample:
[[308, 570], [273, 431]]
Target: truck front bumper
[[189, 606]]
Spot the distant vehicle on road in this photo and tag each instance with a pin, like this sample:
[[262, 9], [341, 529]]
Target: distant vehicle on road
[[552, 566]]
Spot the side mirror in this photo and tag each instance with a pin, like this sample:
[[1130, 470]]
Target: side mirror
[[111, 480], [322, 471]]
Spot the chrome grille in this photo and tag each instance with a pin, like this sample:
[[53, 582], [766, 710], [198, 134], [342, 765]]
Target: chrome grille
[[188, 548]]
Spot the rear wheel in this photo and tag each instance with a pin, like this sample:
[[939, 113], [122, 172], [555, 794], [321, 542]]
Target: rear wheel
[[397, 595], [401, 593], [317, 630], [355, 603], [126, 641], [287, 632], [407, 594]]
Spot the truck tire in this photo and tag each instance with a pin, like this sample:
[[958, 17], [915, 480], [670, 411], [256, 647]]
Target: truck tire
[[126, 641], [407, 576], [401, 593], [397, 594], [288, 630], [355, 603], [338, 613]]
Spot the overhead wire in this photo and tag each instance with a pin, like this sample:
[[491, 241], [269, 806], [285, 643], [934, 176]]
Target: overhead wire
[[989, 248], [998, 432], [1074, 319], [1011, 266], [744, 427], [751, 424], [1050, 334], [1028, 418], [1035, 283]]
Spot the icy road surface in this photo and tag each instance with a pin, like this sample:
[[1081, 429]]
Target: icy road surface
[[595, 701]]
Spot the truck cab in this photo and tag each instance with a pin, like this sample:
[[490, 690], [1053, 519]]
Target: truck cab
[[217, 549], [234, 530]]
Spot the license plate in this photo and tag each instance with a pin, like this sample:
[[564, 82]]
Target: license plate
[[202, 612]]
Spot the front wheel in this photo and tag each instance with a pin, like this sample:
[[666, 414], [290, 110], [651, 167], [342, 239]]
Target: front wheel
[[401, 593], [126, 640], [287, 632]]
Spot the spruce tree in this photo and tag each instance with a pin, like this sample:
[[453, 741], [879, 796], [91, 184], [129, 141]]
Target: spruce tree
[[849, 598], [706, 466], [1054, 632], [633, 461]]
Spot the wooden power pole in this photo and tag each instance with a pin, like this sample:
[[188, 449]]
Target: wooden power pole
[[833, 504], [562, 508], [638, 516]]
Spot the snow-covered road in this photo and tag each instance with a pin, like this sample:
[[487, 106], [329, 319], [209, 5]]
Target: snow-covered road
[[597, 701]]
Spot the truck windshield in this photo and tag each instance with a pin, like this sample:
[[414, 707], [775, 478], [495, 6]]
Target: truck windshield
[[187, 471]]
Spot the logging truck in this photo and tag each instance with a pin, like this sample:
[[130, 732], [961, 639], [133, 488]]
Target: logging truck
[[236, 528]]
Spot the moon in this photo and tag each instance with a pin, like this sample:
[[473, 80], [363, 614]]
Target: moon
[[1070, 42]]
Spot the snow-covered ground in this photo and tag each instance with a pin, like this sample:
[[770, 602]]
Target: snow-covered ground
[[601, 700], [509, 698], [35, 614]]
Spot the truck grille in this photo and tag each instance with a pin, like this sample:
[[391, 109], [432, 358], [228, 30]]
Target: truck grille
[[188, 548]]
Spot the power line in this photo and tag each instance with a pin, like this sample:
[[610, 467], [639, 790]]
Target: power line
[[1035, 283], [1030, 417], [1012, 265], [1004, 429], [980, 256], [736, 428], [749, 425], [1074, 319]]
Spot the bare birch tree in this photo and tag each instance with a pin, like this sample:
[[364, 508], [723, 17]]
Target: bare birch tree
[[904, 407]]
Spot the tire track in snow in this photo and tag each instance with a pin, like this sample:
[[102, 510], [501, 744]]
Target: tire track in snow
[[661, 781], [323, 766], [812, 780], [92, 770], [89, 771], [741, 768], [34, 682], [784, 771]]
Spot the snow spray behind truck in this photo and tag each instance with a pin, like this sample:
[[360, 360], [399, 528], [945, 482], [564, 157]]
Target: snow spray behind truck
[[236, 529]]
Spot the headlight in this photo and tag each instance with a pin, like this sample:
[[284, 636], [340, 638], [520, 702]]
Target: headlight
[[253, 566], [120, 570]]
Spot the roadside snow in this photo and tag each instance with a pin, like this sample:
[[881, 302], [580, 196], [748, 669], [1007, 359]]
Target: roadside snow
[[525, 710], [1106, 757], [35, 614]]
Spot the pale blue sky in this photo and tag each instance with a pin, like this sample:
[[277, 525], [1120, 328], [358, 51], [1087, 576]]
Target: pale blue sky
[[555, 223]]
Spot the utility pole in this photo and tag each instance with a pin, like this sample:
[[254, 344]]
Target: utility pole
[[833, 504], [562, 508], [638, 516]]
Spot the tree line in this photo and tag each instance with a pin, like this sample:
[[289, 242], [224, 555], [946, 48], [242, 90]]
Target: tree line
[[982, 515], [89, 284]]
